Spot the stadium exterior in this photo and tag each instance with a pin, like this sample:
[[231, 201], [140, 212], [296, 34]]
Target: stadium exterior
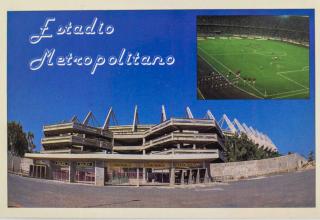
[[175, 151]]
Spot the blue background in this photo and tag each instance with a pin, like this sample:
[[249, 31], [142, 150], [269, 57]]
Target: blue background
[[53, 94]]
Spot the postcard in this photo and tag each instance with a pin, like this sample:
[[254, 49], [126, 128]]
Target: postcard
[[119, 110]]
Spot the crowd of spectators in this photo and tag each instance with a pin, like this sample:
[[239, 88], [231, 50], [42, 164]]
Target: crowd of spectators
[[294, 28]]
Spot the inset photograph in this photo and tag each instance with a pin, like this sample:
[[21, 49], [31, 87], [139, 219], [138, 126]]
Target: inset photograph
[[253, 57]]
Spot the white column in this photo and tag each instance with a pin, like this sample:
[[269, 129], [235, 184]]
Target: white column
[[198, 177], [172, 176], [144, 174], [182, 177], [99, 173], [138, 181]]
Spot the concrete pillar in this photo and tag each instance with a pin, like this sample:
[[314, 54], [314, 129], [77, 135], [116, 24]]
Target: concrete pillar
[[49, 170], [99, 173], [72, 171], [172, 176], [143, 152], [178, 146], [144, 174], [194, 147], [206, 176], [208, 168], [198, 177], [34, 170], [138, 181], [190, 177], [182, 177]]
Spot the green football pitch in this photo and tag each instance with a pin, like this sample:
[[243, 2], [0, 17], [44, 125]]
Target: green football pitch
[[262, 68]]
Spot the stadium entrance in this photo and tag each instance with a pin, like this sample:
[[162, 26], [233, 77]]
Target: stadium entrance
[[150, 173], [115, 172], [85, 172]]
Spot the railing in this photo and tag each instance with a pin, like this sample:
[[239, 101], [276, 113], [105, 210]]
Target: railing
[[93, 130], [188, 120], [158, 140], [163, 124], [126, 148], [197, 151], [131, 134], [181, 136], [195, 136], [181, 121], [174, 136], [73, 139], [78, 126], [58, 125], [57, 138]]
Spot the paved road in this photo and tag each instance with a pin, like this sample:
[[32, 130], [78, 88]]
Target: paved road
[[285, 190]]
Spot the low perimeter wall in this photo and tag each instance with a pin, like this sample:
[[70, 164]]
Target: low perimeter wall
[[245, 169], [19, 165]]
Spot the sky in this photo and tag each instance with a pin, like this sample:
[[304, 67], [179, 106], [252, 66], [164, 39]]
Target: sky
[[55, 93]]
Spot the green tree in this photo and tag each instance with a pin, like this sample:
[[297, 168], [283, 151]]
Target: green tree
[[242, 149], [18, 141]]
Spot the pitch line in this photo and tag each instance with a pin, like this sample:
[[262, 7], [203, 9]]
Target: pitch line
[[233, 84], [305, 68], [200, 93], [282, 93], [231, 71], [292, 80], [290, 95], [293, 71]]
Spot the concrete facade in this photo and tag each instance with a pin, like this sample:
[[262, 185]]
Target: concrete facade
[[99, 173], [245, 169], [72, 171], [19, 165]]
